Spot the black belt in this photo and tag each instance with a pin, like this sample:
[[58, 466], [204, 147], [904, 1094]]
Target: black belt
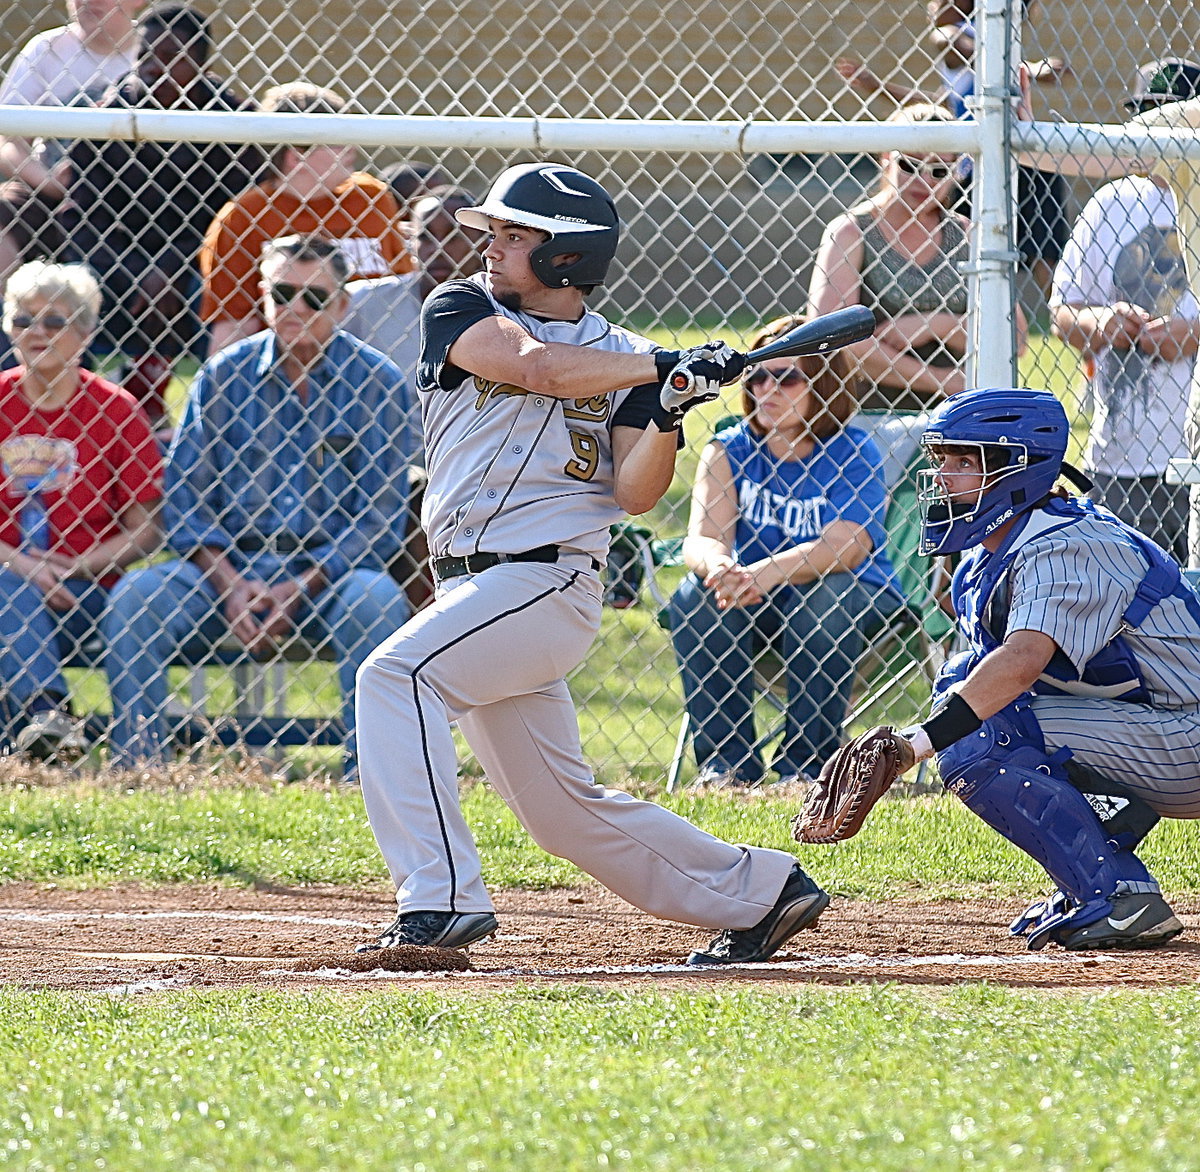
[[278, 543], [476, 563]]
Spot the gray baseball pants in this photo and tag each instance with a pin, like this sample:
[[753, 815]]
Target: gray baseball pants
[[491, 652]]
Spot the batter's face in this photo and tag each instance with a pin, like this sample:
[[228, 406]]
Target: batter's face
[[506, 257]]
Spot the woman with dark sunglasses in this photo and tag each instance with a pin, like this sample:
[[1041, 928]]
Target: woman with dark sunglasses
[[786, 549], [80, 486], [902, 253]]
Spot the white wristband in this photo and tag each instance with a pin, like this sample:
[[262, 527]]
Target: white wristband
[[919, 739]]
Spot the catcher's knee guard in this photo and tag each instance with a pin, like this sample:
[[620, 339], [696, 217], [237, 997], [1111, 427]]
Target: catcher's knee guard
[[1002, 773], [1126, 820], [1125, 816]]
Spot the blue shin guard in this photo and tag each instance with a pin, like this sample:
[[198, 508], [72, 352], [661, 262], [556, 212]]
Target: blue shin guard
[[1003, 774]]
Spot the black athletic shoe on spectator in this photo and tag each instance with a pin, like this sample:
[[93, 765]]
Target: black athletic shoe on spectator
[[799, 905], [434, 930]]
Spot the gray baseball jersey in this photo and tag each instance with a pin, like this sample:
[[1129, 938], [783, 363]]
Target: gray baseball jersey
[[510, 470], [1074, 584]]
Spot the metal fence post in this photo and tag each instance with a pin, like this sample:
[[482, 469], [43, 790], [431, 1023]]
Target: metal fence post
[[991, 356]]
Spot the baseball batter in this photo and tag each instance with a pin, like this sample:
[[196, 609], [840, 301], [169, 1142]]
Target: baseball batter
[[543, 425], [1072, 722]]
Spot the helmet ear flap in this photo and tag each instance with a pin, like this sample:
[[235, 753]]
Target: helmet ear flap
[[594, 256]]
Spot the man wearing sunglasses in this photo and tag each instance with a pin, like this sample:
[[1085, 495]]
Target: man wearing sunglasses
[[286, 490]]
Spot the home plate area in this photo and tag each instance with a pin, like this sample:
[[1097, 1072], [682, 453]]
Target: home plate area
[[131, 940]]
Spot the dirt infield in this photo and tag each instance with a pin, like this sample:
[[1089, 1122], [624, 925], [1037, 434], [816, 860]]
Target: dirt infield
[[134, 939]]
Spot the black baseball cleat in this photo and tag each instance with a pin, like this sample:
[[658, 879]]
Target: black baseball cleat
[[434, 930], [799, 905], [1135, 920]]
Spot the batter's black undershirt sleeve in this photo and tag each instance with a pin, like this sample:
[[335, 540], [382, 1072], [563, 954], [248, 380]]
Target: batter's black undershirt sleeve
[[637, 409], [449, 311]]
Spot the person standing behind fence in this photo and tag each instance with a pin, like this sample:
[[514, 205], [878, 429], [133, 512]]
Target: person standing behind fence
[[1041, 228], [544, 423], [61, 67], [902, 254], [1121, 298], [1183, 175], [79, 496], [138, 211], [786, 551], [286, 487], [1161, 109], [315, 190]]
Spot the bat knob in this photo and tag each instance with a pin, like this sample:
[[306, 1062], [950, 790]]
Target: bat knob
[[680, 382]]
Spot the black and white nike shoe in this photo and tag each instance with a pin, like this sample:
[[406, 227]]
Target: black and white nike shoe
[[434, 930], [1135, 920]]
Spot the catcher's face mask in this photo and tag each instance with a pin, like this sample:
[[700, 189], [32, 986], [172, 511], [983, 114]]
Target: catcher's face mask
[[1021, 438], [967, 493]]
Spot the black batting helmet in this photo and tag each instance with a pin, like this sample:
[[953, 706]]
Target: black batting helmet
[[577, 212]]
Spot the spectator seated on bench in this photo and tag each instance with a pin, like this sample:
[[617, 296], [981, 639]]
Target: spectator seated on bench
[[286, 487], [79, 499]]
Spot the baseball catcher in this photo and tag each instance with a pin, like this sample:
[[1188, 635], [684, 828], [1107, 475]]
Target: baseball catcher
[[1069, 724]]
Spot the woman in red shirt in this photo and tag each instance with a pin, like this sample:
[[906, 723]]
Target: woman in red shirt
[[80, 486]]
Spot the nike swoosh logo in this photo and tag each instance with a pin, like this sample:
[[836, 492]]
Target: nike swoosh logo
[[1129, 921]]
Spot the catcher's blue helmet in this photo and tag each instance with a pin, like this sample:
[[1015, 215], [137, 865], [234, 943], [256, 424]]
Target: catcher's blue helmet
[[1022, 439], [577, 212]]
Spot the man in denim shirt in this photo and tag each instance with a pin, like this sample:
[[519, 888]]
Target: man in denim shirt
[[285, 499]]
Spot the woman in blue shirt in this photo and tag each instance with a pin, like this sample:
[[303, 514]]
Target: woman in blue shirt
[[786, 550]]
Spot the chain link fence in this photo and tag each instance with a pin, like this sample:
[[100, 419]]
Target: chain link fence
[[311, 499]]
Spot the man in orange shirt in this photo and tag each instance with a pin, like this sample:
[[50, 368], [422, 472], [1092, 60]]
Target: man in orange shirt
[[314, 190]]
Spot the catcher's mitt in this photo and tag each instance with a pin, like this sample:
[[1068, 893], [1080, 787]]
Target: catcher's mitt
[[851, 782]]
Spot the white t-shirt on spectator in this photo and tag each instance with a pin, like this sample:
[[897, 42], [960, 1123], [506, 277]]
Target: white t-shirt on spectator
[[385, 312], [55, 68], [1125, 246]]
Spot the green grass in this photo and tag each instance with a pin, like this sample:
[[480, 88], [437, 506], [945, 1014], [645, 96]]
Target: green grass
[[91, 836], [565, 1079]]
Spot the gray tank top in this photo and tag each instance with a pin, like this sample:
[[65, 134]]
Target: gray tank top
[[893, 284]]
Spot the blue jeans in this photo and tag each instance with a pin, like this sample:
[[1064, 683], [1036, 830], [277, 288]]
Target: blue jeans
[[35, 641], [168, 612], [817, 629]]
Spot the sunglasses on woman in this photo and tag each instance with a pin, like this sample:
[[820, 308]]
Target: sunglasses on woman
[[48, 321], [791, 377], [929, 170], [314, 296]]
